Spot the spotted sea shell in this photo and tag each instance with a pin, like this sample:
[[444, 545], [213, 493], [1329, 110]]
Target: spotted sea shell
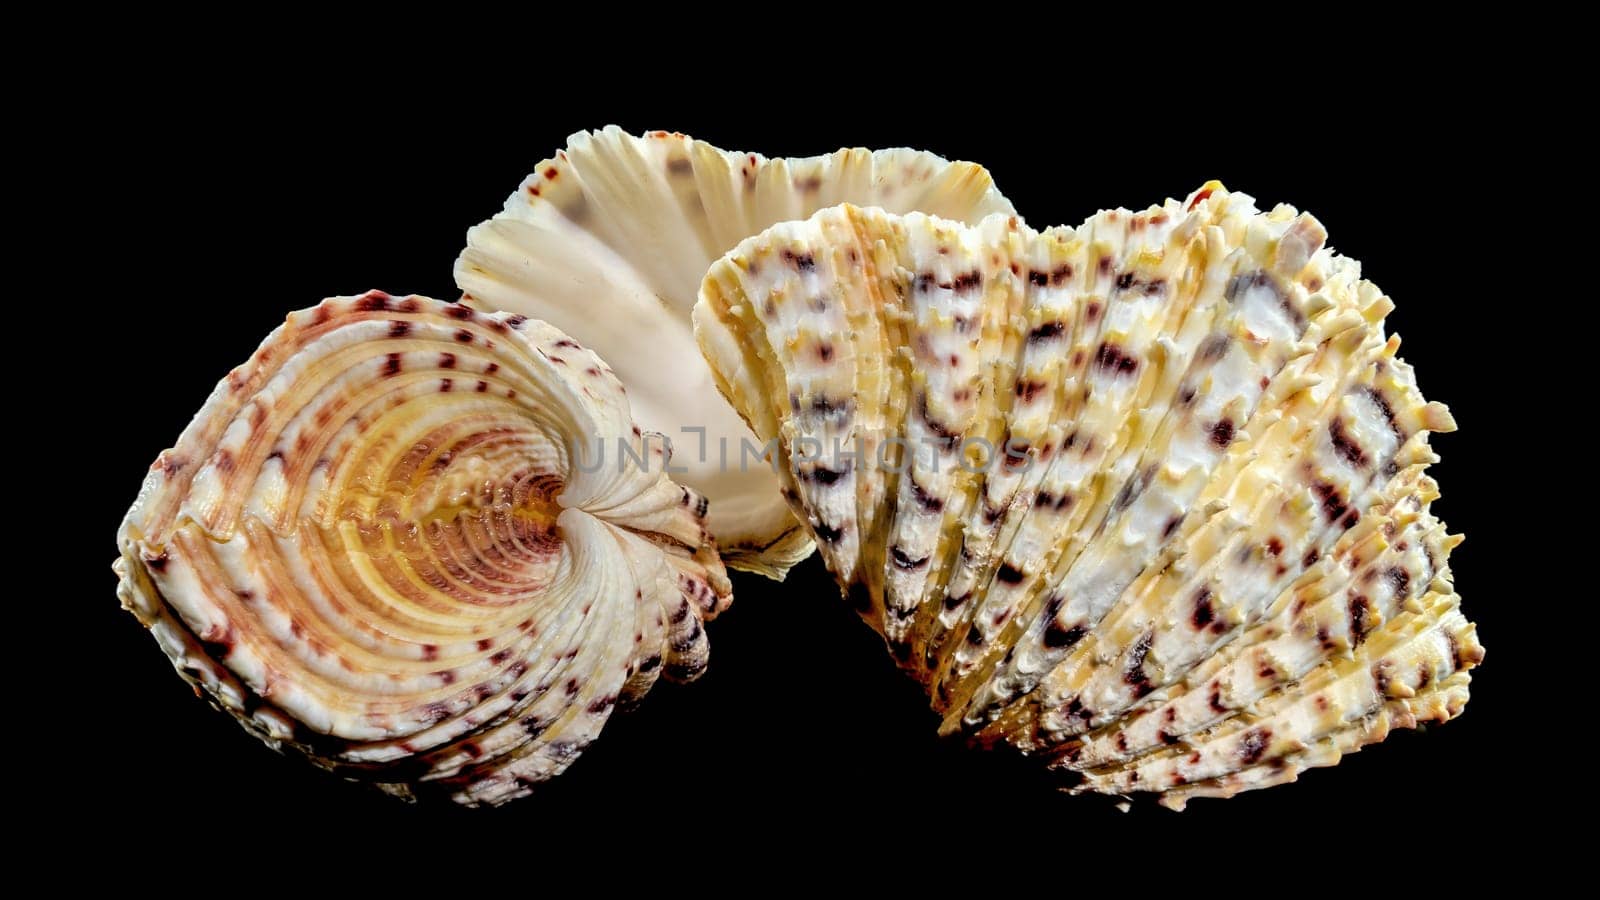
[[610, 240], [375, 546], [1144, 498]]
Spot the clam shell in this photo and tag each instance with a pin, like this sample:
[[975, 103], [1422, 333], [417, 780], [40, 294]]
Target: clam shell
[[609, 241], [1143, 498], [379, 545]]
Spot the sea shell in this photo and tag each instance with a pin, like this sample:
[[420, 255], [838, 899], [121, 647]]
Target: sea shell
[[610, 240], [1144, 498], [378, 546]]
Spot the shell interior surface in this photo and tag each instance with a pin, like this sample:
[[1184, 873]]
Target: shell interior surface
[[1143, 498], [609, 241], [378, 546]]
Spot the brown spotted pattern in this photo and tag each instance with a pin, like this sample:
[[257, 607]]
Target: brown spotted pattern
[[378, 545], [1211, 524]]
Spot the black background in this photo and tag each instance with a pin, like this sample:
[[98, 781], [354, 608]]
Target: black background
[[801, 741]]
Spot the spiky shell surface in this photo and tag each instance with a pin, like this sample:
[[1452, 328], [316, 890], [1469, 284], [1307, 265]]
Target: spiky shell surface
[[609, 241], [379, 545], [1144, 498]]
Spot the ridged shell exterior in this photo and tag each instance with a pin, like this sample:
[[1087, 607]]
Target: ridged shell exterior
[[609, 241], [376, 546], [1144, 497]]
